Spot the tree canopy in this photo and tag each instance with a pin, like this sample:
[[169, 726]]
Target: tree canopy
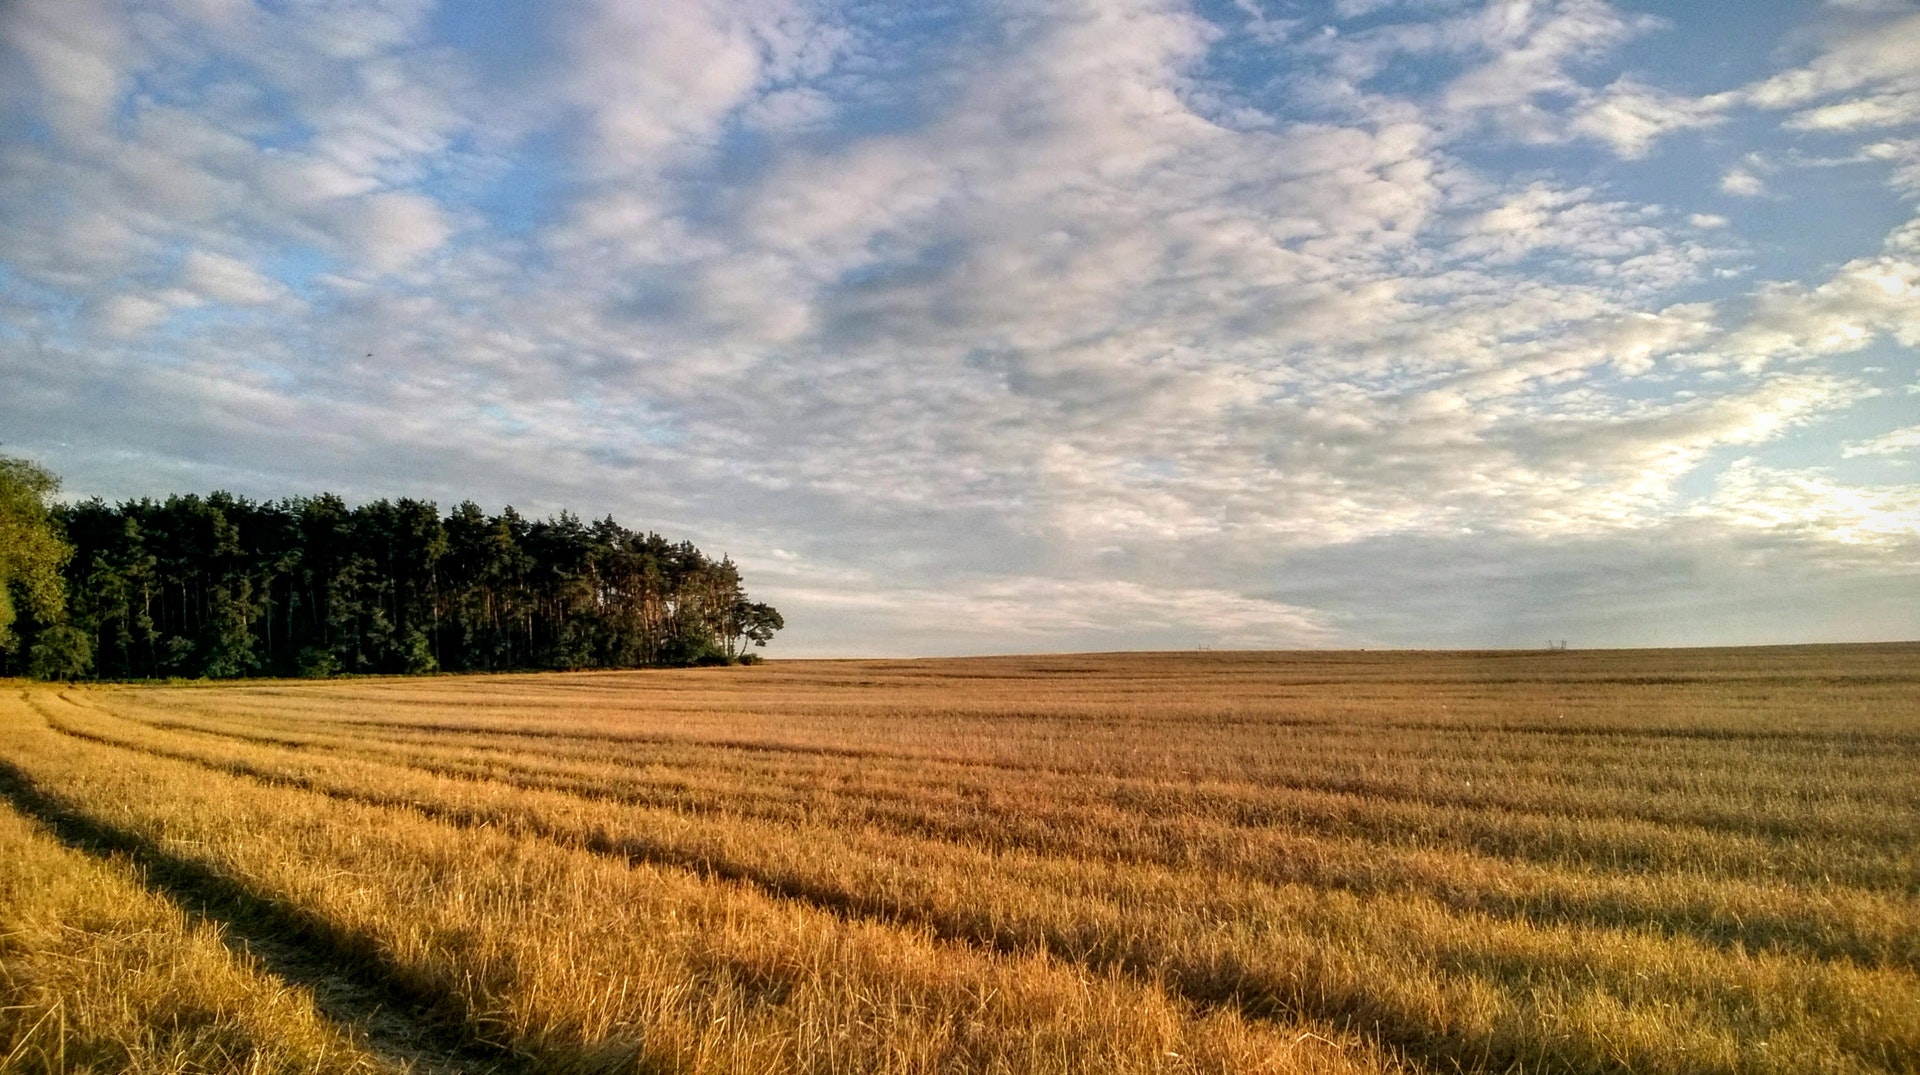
[[31, 585], [222, 586]]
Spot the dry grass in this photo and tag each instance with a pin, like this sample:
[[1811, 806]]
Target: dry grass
[[99, 974], [1661, 861]]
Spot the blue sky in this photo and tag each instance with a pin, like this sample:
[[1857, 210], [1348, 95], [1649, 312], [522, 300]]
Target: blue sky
[[1009, 325]]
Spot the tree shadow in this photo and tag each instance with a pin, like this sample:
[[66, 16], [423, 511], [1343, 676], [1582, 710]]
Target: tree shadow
[[389, 1008]]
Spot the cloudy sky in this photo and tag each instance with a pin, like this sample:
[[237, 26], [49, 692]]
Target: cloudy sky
[[1002, 325]]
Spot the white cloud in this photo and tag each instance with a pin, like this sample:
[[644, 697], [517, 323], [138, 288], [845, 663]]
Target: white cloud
[[130, 315], [1897, 442], [789, 110], [1866, 298], [1904, 155], [1631, 117], [1881, 110], [660, 78], [1743, 183], [220, 278], [297, 180], [1879, 53], [1543, 217], [1268, 30], [1532, 49], [1027, 612], [359, 29], [76, 51], [1046, 346], [392, 230], [1810, 504]]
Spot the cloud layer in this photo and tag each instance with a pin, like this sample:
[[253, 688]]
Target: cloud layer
[[1008, 325]]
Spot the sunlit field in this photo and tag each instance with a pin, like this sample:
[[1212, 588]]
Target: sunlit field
[[1654, 861]]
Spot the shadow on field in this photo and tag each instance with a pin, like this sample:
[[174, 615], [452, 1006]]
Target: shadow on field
[[353, 983], [1229, 986]]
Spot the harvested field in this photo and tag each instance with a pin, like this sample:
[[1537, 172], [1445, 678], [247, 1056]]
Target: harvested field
[[1654, 861]]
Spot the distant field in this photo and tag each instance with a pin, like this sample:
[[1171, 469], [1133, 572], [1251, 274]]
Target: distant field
[[1661, 861]]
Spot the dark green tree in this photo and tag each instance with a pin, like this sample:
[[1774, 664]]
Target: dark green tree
[[222, 586]]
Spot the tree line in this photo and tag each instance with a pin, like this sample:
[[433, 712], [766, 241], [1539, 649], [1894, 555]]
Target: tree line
[[221, 586]]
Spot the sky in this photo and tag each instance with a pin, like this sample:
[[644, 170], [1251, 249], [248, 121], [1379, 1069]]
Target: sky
[[1016, 325]]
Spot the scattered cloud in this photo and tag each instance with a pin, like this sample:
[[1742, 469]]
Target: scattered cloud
[[1897, 442], [129, 315], [1023, 613], [1877, 54], [1880, 110], [1810, 503], [1073, 325], [1631, 117], [1741, 182], [219, 278]]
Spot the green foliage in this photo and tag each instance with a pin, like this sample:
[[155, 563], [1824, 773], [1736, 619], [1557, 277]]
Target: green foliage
[[61, 651], [32, 555], [220, 586], [757, 622], [691, 645], [318, 662]]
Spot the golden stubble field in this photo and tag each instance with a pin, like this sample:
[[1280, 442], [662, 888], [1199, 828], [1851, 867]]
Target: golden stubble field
[[1656, 861]]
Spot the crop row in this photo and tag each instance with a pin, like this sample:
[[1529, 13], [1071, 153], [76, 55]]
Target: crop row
[[1420, 974]]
